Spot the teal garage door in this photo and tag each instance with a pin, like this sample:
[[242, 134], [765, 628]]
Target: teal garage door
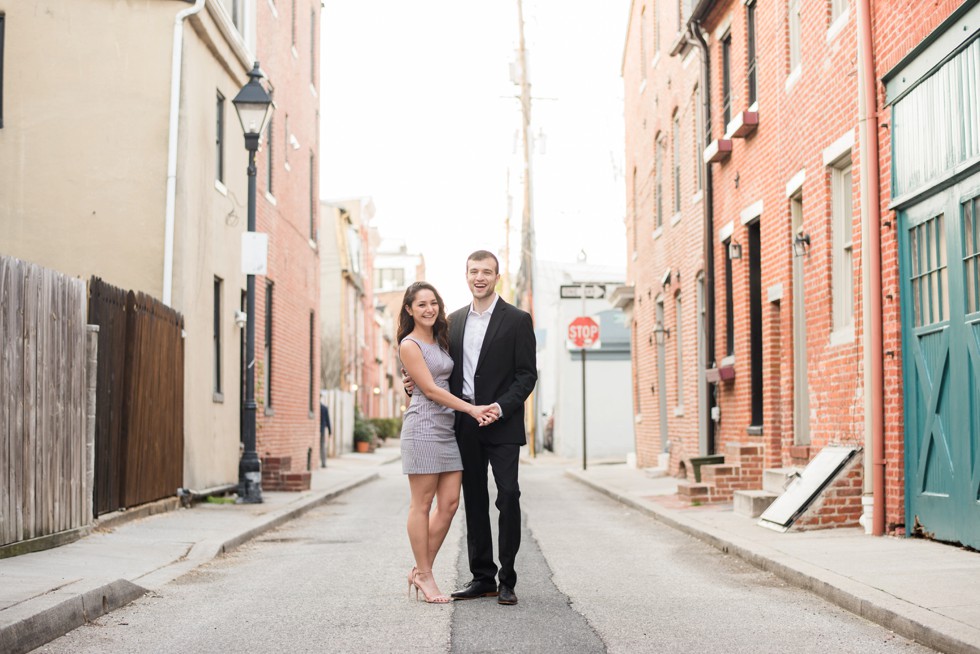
[[939, 245]]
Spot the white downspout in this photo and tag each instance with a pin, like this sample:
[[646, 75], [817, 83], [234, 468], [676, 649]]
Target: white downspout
[[168, 234]]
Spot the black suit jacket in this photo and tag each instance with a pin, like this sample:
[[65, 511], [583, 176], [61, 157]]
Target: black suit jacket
[[505, 372]]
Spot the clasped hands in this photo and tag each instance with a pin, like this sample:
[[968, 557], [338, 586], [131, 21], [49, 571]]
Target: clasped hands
[[485, 414]]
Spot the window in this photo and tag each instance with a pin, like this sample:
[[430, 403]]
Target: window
[[930, 276], [794, 34], [313, 197], [312, 392], [837, 8], [676, 136], [750, 53], [680, 20], [643, 43], [680, 351], [842, 262], [2, 20], [386, 279], [313, 47], [219, 172], [268, 157], [292, 27], [659, 182], [238, 15], [726, 79], [267, 355], [635, 210], [656, 28], [729, 303], [285, 138], [971, 255], [698, 137], [216, 328]]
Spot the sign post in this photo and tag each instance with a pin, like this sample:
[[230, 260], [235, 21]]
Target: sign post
[[583, 334]]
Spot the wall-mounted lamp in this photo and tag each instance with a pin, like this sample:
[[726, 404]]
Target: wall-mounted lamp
[[734, 250], [241, 318], [801, 244], [660, 332], [376, 391]]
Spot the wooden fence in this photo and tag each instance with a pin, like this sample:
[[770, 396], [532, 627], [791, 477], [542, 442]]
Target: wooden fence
[[43, 386], [341, 406], [139, 420]]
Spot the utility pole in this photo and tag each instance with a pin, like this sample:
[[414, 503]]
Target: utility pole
[[525, 281]]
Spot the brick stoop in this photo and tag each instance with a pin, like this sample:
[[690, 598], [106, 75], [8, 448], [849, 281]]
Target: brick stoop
[[278, 476], [742, 470]]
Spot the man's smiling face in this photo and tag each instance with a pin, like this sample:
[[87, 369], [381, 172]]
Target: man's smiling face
[[481, 277]]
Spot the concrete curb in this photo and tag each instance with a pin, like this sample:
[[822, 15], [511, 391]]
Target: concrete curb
[[49, 616], [907, 620], [52, 615]]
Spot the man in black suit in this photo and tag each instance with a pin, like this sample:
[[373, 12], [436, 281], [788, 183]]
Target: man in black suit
[[493, 348]]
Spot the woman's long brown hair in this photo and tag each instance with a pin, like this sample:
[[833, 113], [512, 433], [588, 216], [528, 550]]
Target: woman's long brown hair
[[406, 323]]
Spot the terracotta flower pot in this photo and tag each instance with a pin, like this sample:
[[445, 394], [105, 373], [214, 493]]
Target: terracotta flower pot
[[363, 446]]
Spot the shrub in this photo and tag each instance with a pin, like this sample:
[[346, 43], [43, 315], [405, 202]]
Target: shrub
[[387, 427]]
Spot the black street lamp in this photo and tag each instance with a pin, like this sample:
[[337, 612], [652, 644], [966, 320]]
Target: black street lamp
[[254, 106]]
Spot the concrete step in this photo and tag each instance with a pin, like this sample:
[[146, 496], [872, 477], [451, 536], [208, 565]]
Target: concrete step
[[775, 480], [751, 503], [692, 490]]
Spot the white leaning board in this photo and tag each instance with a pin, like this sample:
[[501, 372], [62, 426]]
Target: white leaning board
[[818, 473]]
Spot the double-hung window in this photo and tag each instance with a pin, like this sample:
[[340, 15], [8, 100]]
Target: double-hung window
[[750, 52], [793, 19], [726, 79], [843, 256]]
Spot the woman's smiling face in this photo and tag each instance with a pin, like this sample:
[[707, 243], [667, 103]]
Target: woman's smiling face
[[424, 309]]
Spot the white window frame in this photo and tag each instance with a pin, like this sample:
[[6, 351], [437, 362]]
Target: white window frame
[[678, 309], [794, 35], [842, 257]]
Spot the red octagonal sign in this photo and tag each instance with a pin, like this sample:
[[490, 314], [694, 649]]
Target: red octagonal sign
[[583, 332]]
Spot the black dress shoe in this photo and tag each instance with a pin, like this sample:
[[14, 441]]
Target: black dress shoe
[[505, 595], [476, 589]]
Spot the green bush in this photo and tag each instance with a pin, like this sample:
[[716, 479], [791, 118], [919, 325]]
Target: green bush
[[387, 427]]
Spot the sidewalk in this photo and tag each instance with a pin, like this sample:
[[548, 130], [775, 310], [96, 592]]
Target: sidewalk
[[46, 594], [922, 590]]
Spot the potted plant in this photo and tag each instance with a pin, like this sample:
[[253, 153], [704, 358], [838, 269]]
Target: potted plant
[[364, 434]]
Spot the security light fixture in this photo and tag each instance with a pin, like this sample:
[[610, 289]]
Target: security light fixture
[[801, 244], [734, 250]]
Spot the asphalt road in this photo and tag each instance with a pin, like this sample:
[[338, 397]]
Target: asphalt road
[[594, 576]]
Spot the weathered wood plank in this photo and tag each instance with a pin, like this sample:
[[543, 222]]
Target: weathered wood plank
[[32, 303], [8, 341]]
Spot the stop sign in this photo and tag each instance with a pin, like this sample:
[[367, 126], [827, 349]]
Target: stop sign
[[583, 332]]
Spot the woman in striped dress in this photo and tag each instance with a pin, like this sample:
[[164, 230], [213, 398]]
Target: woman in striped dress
[[430, 456]]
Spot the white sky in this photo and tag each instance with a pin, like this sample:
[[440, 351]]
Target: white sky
[[418, 113]]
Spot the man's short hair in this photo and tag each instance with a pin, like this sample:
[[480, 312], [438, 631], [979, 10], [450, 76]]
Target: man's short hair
[[482, 255]]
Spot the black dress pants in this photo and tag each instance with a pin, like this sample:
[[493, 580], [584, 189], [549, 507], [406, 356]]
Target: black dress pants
[[504, 460]]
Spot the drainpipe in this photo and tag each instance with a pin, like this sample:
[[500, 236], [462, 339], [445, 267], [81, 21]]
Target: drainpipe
[[168, 229], [871, 232], [709, 227]]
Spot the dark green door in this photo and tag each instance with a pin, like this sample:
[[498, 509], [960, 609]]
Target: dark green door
[[939, 246]]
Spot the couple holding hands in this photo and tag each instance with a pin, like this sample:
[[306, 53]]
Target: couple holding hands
[[468, 376]]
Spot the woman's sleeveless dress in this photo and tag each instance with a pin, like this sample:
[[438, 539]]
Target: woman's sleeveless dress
[[428, 440]]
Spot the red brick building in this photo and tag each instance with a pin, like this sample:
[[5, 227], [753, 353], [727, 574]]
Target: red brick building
[[821, 273], [664, 223], [287, 329]]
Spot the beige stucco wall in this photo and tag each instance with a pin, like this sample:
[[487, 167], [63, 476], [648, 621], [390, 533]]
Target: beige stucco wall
[[210, 220], [83, 157], [82, 151]]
